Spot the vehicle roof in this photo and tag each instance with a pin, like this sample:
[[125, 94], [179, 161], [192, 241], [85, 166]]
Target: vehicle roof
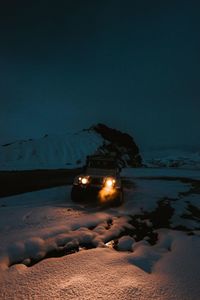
[[100, 157]]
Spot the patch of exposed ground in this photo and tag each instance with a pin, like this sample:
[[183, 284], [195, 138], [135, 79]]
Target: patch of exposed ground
[[18, 182]]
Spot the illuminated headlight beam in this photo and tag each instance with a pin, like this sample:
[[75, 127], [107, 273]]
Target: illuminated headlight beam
[[109, 182], [84, 180]]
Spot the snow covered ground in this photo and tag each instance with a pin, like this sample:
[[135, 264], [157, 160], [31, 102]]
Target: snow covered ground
[[52, 248], [172, 158], [161, 172]]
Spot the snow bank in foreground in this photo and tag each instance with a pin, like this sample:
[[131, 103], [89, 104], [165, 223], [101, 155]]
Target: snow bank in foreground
[[50, 152], [47, 220], [34, 224], [103, 273]]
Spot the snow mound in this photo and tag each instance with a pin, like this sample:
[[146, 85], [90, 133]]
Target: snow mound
[[125, 243], [50, 152]]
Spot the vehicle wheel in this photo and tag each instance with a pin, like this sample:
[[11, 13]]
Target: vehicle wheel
[[119, 199], [76, 194]]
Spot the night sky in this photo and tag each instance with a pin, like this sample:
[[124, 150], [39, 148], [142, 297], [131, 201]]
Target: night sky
[[134, 65]]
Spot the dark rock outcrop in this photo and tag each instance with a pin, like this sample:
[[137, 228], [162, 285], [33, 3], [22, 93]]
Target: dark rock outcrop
[[121, 144]]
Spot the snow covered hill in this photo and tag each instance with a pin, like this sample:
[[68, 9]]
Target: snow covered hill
[[69, 150], [50, 152]]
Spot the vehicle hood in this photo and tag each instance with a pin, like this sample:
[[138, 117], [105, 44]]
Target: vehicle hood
[[100, 172]]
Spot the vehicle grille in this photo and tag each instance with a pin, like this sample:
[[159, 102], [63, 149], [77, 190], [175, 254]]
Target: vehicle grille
[[96, 181]]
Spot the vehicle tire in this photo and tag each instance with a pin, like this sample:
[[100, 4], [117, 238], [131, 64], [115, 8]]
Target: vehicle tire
[[119, 199], [76, 194]]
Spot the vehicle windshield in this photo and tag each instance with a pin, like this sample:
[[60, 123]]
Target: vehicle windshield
[[102, 164]]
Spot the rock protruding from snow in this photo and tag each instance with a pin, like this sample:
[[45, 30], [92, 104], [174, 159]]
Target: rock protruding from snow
[[121, 144]]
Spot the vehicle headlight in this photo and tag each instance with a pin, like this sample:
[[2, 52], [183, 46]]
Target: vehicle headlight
[[84, 180], [109, 182]]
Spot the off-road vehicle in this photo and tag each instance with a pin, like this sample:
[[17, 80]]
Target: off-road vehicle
[[100, 181]]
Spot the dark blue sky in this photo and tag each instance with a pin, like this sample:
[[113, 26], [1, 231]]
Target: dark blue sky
[[65, 65]]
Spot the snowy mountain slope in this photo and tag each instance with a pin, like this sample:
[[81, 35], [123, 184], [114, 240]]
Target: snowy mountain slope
[[50, 152], [172, 158], [69, 150]]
